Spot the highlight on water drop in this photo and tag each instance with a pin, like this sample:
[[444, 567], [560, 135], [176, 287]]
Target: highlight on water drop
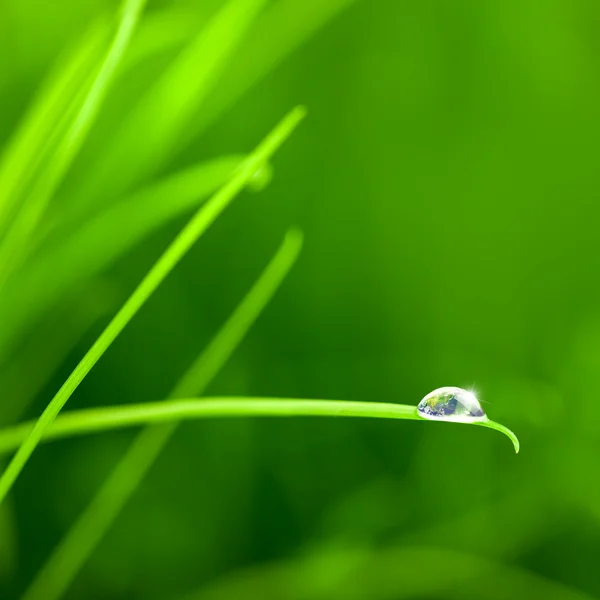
[[452, 404]]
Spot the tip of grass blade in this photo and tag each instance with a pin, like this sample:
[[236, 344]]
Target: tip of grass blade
[[300, 110], [502, 429], [294, 117], [294, 238], [291, 120]]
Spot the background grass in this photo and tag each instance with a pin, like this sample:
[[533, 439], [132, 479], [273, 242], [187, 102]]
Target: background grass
[[447, 185]]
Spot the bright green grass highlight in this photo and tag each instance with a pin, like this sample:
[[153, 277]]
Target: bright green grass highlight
[[162, 30], [280, 29], [55, 577], [30, 141], [172, 255], [17, 237], [116, 417], [176, 96]]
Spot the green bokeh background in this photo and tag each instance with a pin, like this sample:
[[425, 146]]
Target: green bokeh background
[[447, 183]]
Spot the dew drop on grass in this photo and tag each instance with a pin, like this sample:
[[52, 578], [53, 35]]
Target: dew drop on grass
[[451, 404]]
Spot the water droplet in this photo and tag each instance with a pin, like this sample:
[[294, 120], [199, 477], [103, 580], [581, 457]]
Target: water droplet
[[260, 178], [451, 404]]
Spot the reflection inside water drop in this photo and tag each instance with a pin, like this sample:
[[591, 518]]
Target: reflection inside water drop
[[451, 404]]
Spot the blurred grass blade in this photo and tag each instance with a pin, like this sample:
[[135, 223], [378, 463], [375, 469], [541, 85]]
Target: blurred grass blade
[[283, 27], [80, 249], [380, 574], [165, 264], [176, 97], [82, 422], [73, 551], [160, 31], [99, 241], [29, 144], [34, 205]]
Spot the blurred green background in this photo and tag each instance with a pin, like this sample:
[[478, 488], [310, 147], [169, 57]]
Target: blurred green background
[[447, 183]]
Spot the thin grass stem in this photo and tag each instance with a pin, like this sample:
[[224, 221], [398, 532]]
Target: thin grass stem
[[67, 559], [17, 237], [77, 423], [203, 218]]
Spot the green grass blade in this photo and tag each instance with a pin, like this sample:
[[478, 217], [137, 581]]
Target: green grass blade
[[123, 224], [71, 554], [162, 30], [101, 239], [15, 243], [283, 27], [398, 571], [502, 429], [45, 120], [165, 264], [29, 144], [176, 97], [91, 420], [210, 362], [79, 249]]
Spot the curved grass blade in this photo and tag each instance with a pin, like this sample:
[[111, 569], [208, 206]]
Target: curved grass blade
[[502, 429], [91, 420], [73, 551], [78, 251], [176, 97], [17, 236], [165, 264]]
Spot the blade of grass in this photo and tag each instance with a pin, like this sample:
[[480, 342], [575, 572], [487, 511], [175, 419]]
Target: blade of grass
[[99, 419], [283, 27], [16, 240], [70, 555], [165, 264], [79, 249], [176, 96], [61, 96], [100, 240], [29, 144], [162, 30], [142, 211]]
